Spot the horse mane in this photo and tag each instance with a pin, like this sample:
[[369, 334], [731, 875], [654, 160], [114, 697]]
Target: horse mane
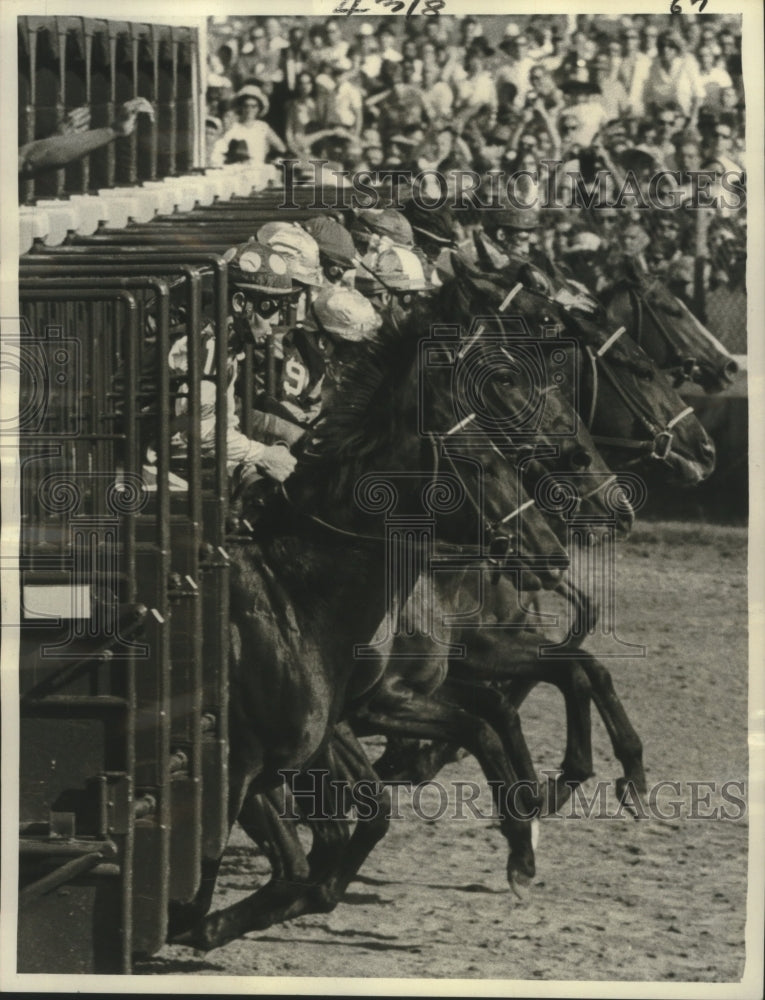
[[360, 419]]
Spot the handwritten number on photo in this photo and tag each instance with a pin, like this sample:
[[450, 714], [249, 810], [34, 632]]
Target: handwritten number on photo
[[349, 7], [343, 8], [675, 8]]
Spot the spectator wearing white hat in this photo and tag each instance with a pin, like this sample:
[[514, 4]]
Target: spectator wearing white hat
[[252, 105]]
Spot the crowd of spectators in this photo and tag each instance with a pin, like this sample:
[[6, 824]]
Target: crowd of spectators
[[640, 93]]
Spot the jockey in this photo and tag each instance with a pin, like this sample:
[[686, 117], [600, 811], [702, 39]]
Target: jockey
[[301, 252], [339, 319], [393, 281], [337, 253], [435, 233], [510, 232], [376, 229], [259, 285]]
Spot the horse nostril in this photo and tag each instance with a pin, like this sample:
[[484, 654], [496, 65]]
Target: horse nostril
[[730, 369], [708, 450]]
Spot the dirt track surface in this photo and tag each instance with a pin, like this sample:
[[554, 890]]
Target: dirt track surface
[[617, 898]]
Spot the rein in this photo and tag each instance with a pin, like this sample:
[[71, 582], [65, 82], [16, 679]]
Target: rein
[[437, 443], [659, 445]]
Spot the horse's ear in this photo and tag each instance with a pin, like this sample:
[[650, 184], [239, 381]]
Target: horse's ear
[[489, 257]]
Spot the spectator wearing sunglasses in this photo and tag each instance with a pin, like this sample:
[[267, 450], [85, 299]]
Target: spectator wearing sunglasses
[[251, 105], [662, 145]]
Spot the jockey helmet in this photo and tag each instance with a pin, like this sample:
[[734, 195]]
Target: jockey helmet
[[397, 269], [345, 313], [299, 249], [510, 217], [257, 267], [334, 240], [382, 222]]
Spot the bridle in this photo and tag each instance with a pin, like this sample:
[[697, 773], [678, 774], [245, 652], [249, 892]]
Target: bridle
[[640, 303], [687, 366], [659, 440], [493, 530]]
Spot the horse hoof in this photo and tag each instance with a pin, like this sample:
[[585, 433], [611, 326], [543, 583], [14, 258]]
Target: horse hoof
[[629, 796], [186, 938], [520, 884]]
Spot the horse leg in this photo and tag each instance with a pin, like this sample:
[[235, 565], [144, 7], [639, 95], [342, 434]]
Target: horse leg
[[406, 760], [502, 716], [426, 718], [572, 682], [315, 884], [627, 745], [184, 918], [265, 818], [335, 863]]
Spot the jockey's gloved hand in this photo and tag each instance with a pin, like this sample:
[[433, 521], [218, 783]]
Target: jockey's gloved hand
[[277, 461]]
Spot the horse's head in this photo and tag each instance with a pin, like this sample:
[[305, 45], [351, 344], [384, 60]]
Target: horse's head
[[538, 373], [473, 387], [638, 418], [632, 410], [396, 446], [671, 335], [530, 394]]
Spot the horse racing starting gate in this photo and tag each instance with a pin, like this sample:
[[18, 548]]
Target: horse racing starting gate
[[124, 582]]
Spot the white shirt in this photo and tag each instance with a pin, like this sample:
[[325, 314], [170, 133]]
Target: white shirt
[[256, 135], [678, 84], [517, 73], [474, 91]]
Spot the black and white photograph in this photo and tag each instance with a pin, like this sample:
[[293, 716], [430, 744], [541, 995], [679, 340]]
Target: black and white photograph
[[380, 452]]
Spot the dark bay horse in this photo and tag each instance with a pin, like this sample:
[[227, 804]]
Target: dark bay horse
[[314, 583], [668, 332], [637, 418]]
